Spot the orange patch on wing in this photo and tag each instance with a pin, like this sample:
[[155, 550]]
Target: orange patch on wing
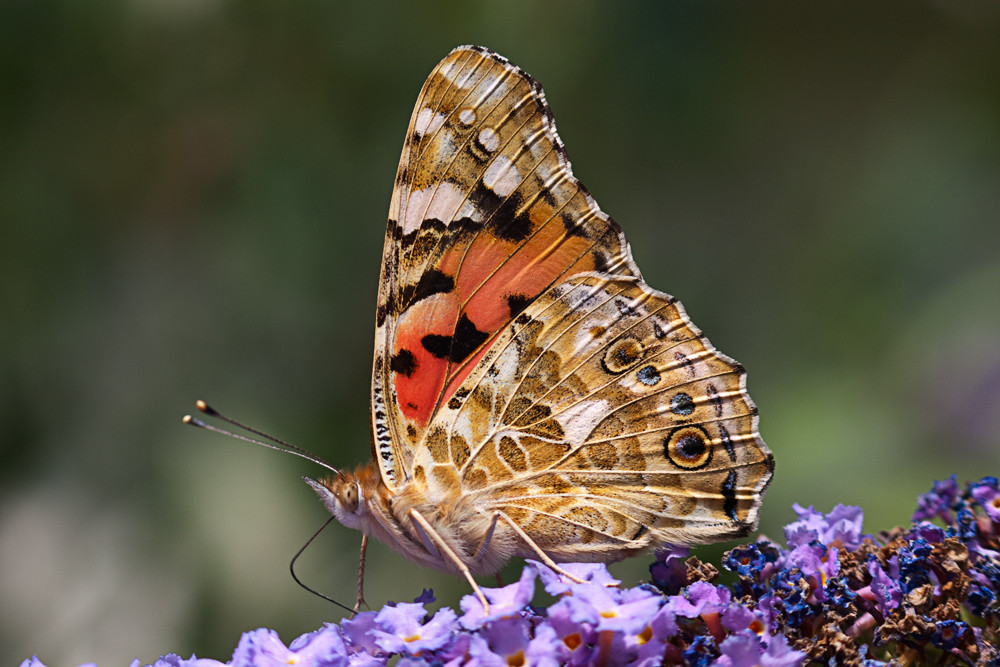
[[451, 261], [549, 256], [417, 394], [486, 273]]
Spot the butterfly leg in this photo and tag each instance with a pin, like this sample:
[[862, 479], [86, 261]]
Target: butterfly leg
[[361, 575], [449, 553], [544, 557], [487, 539], [485, 545]]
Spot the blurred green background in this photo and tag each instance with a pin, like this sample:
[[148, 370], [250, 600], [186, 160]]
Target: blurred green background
[[192, 201]]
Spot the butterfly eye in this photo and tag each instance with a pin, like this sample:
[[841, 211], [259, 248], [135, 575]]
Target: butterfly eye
[[688, 447], [349, 496]]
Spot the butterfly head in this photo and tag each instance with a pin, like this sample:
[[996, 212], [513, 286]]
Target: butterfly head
[[342, 496], [347, 494]]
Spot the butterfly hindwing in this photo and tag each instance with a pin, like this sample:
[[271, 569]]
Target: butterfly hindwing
[[602, 421]]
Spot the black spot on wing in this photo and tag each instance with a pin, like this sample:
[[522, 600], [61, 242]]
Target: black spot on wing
[[484, 200], [727, 442], [424, 238], [508, 223], [600, 261], [729, 496], [686, 363], [572, 225], [461, 229], [458, 346], [431, 283], [715, 399], [466, 339], [648, 375], [501, 213], [681, 404], [517, 303], [439, 346], [626, 309], [403, 362], [659, 330]]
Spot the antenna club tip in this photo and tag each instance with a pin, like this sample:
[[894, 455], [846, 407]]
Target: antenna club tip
[[193, 421], [204, 407]]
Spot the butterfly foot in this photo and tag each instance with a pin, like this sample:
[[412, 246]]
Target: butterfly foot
[[357, 607], [482, 598]]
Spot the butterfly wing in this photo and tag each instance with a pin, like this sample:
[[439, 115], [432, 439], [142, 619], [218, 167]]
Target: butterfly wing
[[520, 357], [602, 422], [485, 216]]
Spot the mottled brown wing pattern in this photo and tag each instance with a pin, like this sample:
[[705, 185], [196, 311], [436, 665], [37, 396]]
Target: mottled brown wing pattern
[[603, 422], [485, 216]]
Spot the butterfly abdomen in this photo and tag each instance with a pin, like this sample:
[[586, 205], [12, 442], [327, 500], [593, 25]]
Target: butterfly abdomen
[[458, 519]]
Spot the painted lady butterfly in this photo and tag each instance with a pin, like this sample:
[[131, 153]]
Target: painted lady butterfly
[[531, 395]]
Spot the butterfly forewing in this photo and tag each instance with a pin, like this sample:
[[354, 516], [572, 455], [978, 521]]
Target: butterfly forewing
[[485, 216]]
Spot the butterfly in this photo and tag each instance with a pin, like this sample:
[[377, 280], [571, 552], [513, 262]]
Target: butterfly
[[531, 395]]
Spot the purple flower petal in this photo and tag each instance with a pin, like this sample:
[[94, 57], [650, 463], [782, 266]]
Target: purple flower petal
[[173, 660], [780, 654], [505, 601], [886, 591], [403, 629], [842, 526], [357, 632], [986, 493], [263, 648], [938, 502], [736, 618], [555, 584], [741, 650]]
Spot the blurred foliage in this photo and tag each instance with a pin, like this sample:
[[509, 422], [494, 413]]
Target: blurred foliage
[[192, 200]]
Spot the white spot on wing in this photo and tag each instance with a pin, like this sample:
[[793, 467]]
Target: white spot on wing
[[489, 140], [451, 72], [580, 420], [467, 116], [446, 202], [507, 365], [448, 71], [501, 176], [428, 121]]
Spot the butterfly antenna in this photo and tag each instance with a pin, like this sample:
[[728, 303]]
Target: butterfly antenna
[[291, 568], [274, 443]]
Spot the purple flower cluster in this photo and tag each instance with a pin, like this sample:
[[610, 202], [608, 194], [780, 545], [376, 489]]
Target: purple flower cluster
[[833, 595], [923, 595]]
